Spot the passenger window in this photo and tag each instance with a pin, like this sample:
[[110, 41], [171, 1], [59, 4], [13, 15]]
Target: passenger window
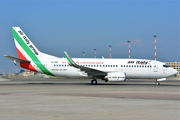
[[116, 65], [121, 65], [97, 65], [142, 65], [134, 65], [129, 65], [108, 65], [94, 65], [126, 65]]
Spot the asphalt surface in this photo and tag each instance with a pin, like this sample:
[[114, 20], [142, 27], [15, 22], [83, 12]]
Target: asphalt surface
[[72, 99]]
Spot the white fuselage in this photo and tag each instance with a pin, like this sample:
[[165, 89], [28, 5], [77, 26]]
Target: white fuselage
[[133, 68], [29, 57]]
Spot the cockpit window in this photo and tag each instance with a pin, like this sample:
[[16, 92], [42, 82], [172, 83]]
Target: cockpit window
[[166, 66]]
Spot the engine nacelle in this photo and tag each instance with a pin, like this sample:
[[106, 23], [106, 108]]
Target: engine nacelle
[[115, 77]]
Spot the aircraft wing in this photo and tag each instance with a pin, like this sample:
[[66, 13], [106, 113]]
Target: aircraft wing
[[89, 71], [17, 59]]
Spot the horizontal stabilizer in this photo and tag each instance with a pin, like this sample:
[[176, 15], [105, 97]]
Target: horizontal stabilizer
[[17, 59]]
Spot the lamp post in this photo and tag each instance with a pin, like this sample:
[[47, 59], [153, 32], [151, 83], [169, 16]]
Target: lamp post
[[110, 51], [129, 48], [83, 54], [155, 45], [95, 53]]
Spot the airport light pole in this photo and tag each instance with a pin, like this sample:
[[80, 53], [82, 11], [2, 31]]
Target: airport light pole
[[129, 48], [110, 51], [155, 45], [95, 53], [83, 54]]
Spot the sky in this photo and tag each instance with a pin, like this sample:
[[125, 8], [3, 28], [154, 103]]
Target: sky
[[77, 26]]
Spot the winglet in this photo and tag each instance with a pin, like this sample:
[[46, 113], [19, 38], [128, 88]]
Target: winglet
[[70, 60]]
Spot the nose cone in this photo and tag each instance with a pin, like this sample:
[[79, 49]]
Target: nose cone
[[171, 72], [174, 72]]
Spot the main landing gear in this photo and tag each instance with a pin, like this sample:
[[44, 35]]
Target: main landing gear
[[94, 82], [157, 83]]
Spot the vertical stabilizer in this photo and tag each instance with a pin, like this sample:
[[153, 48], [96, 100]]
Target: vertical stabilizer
[[23, 44], [26, 50]]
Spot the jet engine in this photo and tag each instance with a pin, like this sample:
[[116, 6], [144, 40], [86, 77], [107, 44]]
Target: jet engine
[[115, 77]]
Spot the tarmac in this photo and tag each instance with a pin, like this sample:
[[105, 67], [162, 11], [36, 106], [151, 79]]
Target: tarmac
[[72, 99]]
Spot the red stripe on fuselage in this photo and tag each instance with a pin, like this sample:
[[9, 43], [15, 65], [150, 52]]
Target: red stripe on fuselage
[[25, 65]]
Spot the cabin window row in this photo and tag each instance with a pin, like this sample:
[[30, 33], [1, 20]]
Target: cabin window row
[[123, 66], [64, 65], [61, 65], [138, 66], [99, 65]]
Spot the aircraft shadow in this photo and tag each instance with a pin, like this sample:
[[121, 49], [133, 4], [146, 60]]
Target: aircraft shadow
[[106, 84]]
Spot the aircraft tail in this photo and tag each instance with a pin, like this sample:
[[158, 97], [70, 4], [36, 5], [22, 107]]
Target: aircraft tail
[[25, 48], [27, 51]]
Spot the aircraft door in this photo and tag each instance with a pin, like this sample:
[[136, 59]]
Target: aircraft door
[[155, 66]]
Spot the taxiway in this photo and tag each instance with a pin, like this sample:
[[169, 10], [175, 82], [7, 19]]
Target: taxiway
[[72, 99]]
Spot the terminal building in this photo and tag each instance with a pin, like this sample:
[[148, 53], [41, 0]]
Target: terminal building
[[175, 65]]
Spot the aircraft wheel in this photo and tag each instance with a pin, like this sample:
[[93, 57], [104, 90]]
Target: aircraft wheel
[[157, 83], [94, 82]]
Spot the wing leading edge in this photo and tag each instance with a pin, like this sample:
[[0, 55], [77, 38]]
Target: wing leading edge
[[89, 71]]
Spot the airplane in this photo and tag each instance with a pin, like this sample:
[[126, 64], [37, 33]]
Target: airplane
[[107, 69]]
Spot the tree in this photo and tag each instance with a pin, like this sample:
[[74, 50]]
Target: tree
[[22, 70]]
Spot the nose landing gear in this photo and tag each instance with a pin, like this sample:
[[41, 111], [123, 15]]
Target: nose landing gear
[[158, 80]]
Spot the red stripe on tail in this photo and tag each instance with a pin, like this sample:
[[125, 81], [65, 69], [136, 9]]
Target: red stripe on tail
[[25, 65]]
